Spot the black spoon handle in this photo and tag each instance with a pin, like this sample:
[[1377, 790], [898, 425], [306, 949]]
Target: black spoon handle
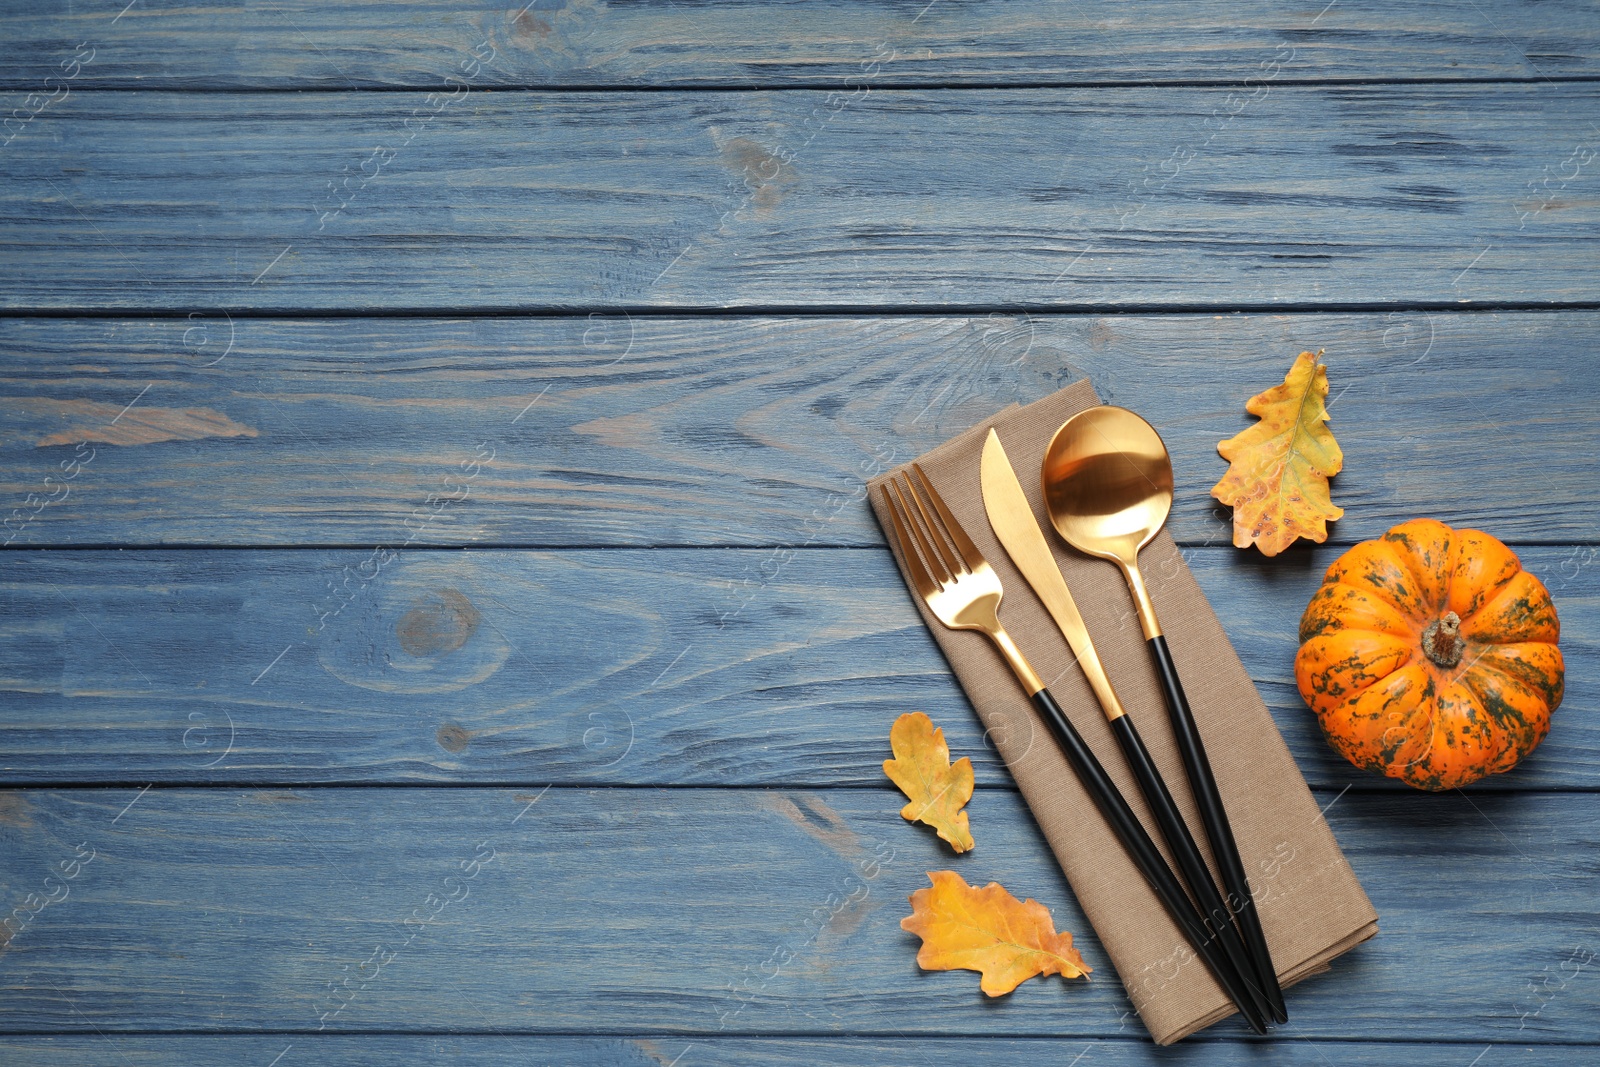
[[1215, 819], [1143, 851], [1187, 853]]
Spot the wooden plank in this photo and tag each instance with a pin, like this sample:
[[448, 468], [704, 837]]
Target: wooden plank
[[613, 911], [655, 667], [303, 44], [1074, 198], [730, 431], [384, 1050]]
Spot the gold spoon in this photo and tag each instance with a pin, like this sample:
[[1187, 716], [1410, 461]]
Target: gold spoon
[[1108, 489]]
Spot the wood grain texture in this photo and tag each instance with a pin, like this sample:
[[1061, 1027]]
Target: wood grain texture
[[1072, 198], [717, 872], [686, 911], [730, 431], [652, 667], [385, 1050], [303, 44]]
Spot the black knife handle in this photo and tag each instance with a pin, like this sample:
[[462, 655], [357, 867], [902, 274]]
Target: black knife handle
[[1215, 819], [1184, 849], [1147, 858]]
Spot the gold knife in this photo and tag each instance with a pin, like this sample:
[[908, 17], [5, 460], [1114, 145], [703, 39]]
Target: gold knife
[[1014, 524], [1018, 530]]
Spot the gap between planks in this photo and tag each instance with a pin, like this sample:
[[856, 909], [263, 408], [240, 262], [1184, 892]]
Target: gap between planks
[[835, 311]]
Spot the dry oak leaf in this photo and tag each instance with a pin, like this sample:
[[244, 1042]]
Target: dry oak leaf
[[921, 768], [990, 931], [1277, 481]]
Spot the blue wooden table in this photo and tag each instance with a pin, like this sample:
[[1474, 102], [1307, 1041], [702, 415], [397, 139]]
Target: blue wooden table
[[439, 617]]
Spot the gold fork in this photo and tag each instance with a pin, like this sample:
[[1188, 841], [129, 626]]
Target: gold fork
[[960, 588], [963, 592]]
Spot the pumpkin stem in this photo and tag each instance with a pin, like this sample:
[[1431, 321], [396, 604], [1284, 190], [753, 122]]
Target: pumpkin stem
[[1442, 640]]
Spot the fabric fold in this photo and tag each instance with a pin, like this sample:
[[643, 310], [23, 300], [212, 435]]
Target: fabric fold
[[1312, 907]]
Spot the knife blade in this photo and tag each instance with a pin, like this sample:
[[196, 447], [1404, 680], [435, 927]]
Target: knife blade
[[1013, 521]]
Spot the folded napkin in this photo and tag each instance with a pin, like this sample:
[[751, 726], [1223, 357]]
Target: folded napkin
[[1312, 908]]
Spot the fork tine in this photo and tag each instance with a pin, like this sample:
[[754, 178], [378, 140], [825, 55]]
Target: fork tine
[[969, 551], [920, 578], [935, 564], [946, 556]]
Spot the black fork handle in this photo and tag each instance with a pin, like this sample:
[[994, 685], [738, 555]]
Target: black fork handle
[[1147, 858]]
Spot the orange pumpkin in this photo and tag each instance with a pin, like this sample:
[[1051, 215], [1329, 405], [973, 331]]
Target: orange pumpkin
[[1430, 655]]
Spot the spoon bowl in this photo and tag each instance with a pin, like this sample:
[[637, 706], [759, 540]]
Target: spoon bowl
[[1108, 483]]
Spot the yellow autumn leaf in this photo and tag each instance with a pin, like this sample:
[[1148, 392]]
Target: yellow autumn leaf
[[1277, 480], [990, 931], [921, 768]]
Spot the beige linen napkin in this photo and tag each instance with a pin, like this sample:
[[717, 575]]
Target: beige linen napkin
[[1312, 908]]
